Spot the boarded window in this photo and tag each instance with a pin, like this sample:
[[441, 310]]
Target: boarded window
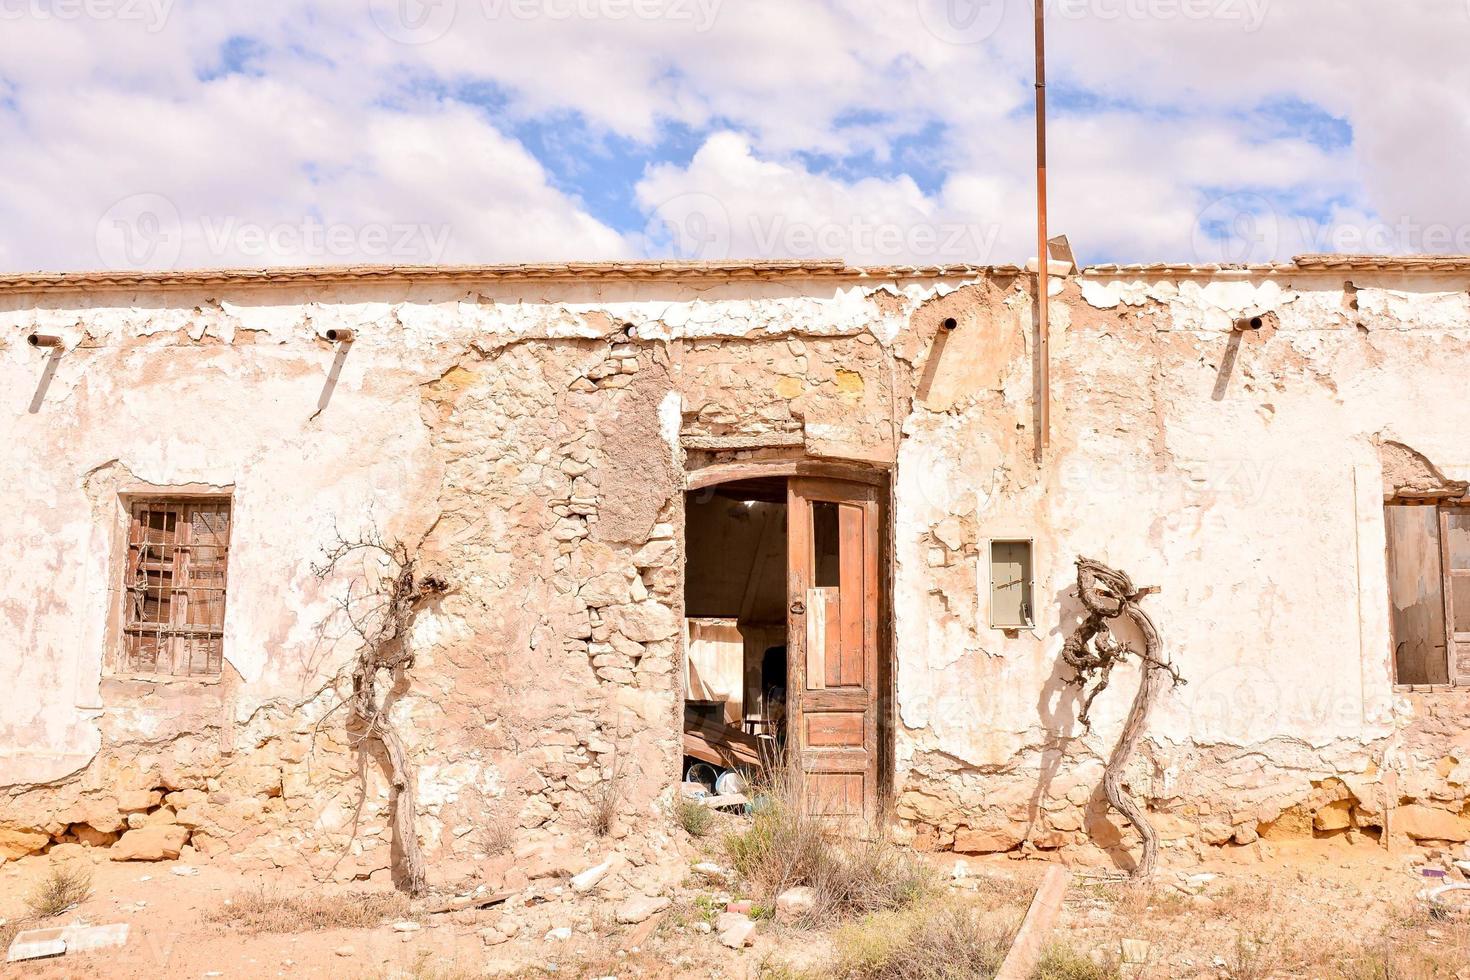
[[174, 586], [1010, 584], [1429, 591]]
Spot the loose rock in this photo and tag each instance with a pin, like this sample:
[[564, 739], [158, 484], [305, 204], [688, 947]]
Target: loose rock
[[589, 879], [157, 843], [735, 930], [640, 907], [795, 902]]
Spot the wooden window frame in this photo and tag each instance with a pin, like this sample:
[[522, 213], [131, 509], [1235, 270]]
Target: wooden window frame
[[133, 548], [1453, 640], [1457, 680]]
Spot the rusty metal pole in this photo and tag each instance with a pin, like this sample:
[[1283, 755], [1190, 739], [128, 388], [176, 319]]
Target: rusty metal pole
[[1043, 253]]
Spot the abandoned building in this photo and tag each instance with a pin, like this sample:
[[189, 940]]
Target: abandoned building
[[663, 516]]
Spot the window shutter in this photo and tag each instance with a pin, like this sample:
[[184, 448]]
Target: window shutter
[[1455, 538], [1416, 594], [174, 587]]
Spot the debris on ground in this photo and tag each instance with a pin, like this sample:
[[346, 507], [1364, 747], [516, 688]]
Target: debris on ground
[[640, 907], [735, 930], [793, 903], [37, 943]]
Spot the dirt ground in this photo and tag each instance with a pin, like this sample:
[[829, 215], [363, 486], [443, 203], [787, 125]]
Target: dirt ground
[[1310, 908], [1313, 908]]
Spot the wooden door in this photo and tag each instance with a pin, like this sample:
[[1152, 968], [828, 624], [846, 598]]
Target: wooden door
[[833, 643]]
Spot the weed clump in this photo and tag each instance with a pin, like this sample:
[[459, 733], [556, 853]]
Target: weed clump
[[65, 885]]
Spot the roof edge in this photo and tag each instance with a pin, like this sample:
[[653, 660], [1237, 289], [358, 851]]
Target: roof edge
[[780, 269], [674, 271], [1315, 262]]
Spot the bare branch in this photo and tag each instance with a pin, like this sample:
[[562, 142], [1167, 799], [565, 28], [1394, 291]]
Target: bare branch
[[1092, 651], [380, 605]]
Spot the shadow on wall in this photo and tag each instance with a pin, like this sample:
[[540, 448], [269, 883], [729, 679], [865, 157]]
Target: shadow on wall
[[334, 373], [1057, 707], [42, 385]]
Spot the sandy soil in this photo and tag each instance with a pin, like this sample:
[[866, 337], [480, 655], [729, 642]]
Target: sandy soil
[[1312, 908]]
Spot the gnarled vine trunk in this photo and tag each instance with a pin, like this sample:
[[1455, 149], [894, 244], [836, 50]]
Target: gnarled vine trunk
[[381, 617], [1093, 651]]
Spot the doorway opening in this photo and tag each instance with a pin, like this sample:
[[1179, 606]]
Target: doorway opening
[[786, 650], [735, 631]]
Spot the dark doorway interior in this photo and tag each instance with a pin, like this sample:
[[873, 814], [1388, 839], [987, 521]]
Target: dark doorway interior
[[735, 599]]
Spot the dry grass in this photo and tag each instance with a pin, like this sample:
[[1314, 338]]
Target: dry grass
[[257, 910], [66, 884], [1060, 961], [1403, 951], [852, 875], [694, 818], [1244, 900], [1398, 960], [498, 834], [1003, 891], [948, 941], [9, 929], [425, 967], [1140, 901], [607, 798], [1311, 928], [1253, 957]]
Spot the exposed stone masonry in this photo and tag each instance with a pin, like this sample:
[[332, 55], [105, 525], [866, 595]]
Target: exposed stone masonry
[[535, 447]]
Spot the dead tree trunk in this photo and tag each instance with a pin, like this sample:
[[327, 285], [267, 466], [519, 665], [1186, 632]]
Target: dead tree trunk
[[1093, 651], [381, 616]]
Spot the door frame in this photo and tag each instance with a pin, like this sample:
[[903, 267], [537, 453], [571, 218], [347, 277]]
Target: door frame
[[854, 472], [717, 473]]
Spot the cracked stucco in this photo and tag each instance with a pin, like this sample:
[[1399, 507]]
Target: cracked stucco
[[1240, 473]]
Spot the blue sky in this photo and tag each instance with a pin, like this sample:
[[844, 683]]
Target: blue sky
[[171, 133]]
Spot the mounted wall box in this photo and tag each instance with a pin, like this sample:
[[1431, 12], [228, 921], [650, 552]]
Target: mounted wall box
[[1010, 584]]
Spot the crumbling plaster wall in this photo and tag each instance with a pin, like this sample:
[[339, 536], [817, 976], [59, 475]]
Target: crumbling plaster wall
[[531, 448], [525, 439], [1238, 472]]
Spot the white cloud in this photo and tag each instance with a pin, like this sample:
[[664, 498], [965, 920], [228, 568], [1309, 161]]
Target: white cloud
[[251, 172], [730, 204], [352, 121]]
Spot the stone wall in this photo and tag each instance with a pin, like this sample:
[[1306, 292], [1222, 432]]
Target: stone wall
[[528, 441], [1242, 474], [528, 449]]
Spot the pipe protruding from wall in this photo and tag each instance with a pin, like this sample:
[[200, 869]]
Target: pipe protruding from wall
[[1244, 323], [341, 336], [950, 323], [44, 340]]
